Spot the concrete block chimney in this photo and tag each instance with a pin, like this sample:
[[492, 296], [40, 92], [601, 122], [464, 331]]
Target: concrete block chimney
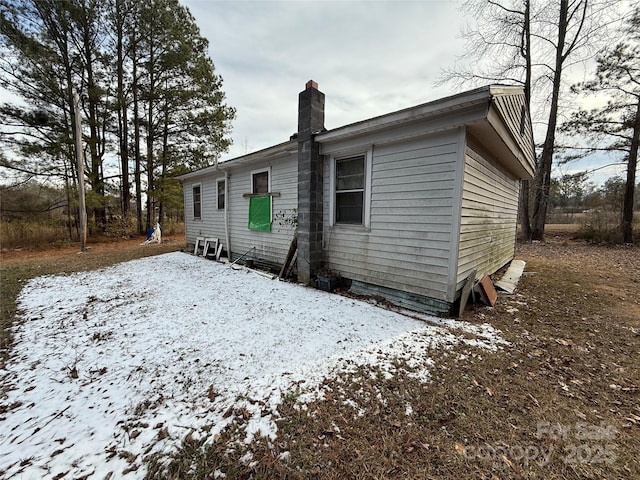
[[310, 122]]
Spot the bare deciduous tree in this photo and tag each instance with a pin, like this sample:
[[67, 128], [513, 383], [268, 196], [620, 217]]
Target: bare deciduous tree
[[511, 41]]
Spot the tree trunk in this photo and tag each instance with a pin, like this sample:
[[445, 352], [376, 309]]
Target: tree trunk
[[67, 191], [543, 174], [525, 224], [525, 51], [629, 192], [136, 138], [123, 126], [165, 161], [150, 138], [149, 41], [95, 173]]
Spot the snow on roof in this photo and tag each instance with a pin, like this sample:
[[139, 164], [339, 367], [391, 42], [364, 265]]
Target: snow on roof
[[104, 361]]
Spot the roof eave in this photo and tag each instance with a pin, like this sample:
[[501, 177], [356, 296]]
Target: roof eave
[[409, 115], [269, 153]]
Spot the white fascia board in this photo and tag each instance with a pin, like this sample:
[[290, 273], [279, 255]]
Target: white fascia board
[[270, 153], [198, 173], [498, 89]]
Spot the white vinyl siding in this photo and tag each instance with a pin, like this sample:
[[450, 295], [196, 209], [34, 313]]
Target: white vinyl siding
[[283, 180], [489, 216], [408, 244], [513, 112], [211, 221], [283, 183]]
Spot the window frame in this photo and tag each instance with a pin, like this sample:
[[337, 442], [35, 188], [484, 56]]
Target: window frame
[[366, 191], [261, 170], [222, 181], [193, 201]]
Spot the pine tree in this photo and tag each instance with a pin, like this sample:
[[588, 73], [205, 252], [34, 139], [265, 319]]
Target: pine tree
[[150, 95], [615, 127]]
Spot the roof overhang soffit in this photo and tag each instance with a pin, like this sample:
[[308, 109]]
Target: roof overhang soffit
[[498, 138]]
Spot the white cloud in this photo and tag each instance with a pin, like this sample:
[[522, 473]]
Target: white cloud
[[369, 58]]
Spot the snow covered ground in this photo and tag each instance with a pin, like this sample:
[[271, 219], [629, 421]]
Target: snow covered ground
[[112, 365]]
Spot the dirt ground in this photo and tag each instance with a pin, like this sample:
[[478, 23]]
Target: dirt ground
[[562, 401], [67, 254]]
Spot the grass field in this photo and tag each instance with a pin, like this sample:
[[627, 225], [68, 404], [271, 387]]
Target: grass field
[[562, 401]]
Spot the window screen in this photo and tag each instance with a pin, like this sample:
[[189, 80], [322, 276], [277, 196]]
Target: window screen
[[350, 190], [260, 182], [197, 204], [221, 199]]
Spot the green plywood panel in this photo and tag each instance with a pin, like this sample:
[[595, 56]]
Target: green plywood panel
[[260, 213]]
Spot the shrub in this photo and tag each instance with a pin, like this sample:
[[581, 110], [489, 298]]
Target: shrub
[[603, 226], [18, 233]]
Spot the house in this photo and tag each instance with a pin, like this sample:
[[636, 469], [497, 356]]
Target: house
[[405, 205]]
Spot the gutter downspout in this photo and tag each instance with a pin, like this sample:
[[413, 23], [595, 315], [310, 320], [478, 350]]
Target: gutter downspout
[[226, 213]]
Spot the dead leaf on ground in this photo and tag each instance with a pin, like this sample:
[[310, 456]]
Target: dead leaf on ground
[[507, 461], [211, 393]]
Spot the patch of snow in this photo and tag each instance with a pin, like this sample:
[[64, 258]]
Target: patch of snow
[[112, 365], [284, 456], [246, 458]]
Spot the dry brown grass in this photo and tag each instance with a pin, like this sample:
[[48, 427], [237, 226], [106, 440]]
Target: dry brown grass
[[574, 328], [540, 408]]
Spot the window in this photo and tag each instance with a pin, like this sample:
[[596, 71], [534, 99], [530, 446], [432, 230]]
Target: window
[[221, 191], [197, 203], [349, 188], [260, 200], [260, 182]]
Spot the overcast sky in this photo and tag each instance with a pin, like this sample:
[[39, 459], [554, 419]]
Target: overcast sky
[[368, 57]]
